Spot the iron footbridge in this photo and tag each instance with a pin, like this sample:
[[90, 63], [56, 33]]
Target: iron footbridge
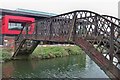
[[98, 35]]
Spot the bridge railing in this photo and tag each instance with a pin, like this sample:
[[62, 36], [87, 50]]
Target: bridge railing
[[97, 29], [100, 31]]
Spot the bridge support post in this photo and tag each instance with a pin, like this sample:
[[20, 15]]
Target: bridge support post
[[111, 44], [27, 30], [96, 26], [36, 31], [26, 34], [50, 36], [73, 28]]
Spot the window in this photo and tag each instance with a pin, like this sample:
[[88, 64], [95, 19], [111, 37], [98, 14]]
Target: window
[[15, 26]]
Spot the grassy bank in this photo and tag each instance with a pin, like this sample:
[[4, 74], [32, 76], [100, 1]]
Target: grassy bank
[[5, 54], [45, 52], [55, 51]]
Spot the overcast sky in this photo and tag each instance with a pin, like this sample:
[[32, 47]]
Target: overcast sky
[[109, 7]]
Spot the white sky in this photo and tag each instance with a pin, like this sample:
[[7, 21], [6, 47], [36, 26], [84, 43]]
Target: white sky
[[109, 7]]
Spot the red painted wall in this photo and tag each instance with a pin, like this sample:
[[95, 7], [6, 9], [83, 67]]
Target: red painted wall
[[7, 18]]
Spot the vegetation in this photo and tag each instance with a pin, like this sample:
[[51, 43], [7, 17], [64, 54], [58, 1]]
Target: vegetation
[[6, 54], [44, 52], [55, 51]]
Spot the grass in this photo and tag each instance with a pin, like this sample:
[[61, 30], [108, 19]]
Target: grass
[[56, 51], [6, 53], [45, 52]]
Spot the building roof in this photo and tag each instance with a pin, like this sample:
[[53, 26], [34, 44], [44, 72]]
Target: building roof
[[25, 12], [35, 12]]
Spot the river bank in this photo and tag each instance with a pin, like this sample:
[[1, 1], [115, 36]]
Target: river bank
[[57, 62], [48, 52], [45, 52], [5, 54]]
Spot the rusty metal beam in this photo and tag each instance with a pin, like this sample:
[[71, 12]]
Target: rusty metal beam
[[99, 59]]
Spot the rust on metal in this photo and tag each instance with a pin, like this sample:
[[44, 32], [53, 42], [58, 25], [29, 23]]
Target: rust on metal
[[97, 35]]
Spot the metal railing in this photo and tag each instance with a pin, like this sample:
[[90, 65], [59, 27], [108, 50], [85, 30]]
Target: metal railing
[[100, 31]]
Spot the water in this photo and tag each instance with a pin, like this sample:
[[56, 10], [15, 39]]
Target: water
[[78, 66]]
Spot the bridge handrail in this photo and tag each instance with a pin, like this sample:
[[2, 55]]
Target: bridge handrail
[[111, 17], [96, 14], [103, 16], [81, 11]]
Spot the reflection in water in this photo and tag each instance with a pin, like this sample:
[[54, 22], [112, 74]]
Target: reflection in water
[[79, 66]]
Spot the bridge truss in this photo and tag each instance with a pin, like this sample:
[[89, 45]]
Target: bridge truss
[[98, 35]]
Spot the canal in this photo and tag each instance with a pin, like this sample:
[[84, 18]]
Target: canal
[[75, 66]]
